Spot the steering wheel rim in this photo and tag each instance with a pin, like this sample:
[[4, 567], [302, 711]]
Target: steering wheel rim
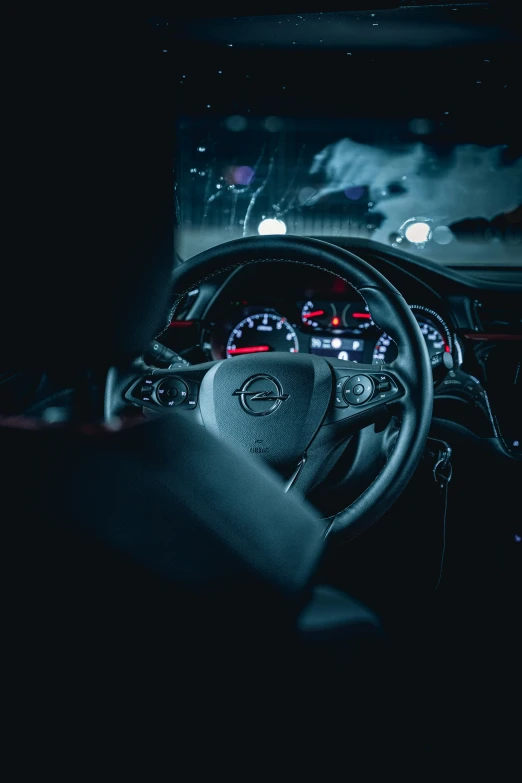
[[389, 311]]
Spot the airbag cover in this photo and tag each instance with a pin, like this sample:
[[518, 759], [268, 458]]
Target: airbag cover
[[279, 430]]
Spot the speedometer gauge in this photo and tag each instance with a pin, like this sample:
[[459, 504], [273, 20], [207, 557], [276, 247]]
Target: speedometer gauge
[[261, 333]]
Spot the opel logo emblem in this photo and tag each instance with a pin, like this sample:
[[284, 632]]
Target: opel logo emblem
[[260, 395]]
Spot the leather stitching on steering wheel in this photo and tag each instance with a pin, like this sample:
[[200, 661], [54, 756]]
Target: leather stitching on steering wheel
[[230, 268]]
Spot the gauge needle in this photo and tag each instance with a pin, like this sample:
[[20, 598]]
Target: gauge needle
[[312, 315], [248, 349]]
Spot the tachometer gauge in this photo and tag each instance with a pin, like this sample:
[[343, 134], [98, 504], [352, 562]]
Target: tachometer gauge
[[386, 349], [320, 315], [261, 333], [355, 316]]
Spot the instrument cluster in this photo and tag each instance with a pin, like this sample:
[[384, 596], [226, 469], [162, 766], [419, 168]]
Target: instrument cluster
[[334, 329]]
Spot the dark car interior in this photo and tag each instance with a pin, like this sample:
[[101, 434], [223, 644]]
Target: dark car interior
[[261, 388]]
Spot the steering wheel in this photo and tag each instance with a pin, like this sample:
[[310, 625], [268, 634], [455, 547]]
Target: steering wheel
[[292, 409]]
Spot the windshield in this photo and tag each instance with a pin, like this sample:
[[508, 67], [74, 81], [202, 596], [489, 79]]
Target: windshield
[[416, 145]]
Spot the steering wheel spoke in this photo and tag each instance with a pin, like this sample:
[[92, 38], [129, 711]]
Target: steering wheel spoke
[[361, 395], [163, 390]]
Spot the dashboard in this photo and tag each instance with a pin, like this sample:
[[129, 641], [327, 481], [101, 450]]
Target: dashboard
[[296, 310], [272, 306]]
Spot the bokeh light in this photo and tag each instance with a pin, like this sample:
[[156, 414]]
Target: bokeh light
[[239, 175], [305, 195], [355, 193], [236, 123], [271, 226], [274, 124], [420, 126], [418, 233], [442, 235]]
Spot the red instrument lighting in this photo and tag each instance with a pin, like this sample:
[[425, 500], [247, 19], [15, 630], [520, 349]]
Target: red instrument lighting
[[248, 349]]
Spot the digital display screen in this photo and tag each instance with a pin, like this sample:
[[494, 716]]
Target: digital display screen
[[343, 348]]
